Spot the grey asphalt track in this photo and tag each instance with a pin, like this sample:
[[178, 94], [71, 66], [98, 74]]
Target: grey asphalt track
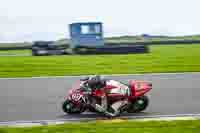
[[41, 98]]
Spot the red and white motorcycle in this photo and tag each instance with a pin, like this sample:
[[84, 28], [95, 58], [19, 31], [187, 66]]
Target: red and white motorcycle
[[76, 101]]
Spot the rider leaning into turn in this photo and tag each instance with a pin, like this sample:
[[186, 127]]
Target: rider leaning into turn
[[97, 82]]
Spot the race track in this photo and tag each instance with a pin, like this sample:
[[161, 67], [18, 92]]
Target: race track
[[40, 98]]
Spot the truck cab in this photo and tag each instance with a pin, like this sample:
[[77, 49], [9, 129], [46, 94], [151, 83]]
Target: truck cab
[[86, 35]]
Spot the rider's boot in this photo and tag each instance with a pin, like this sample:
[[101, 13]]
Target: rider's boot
[[117, 106], [103, 110]]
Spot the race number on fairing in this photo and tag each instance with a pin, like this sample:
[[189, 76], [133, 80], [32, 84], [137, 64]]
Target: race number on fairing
[[76, 96]]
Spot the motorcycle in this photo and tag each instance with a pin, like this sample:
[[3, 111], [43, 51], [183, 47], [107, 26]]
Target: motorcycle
[[75, 102]]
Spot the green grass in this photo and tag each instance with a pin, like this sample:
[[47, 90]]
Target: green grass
[[177, 58], [20, 44], [117, 40], [15, 52], [122, 127], [132, 39]]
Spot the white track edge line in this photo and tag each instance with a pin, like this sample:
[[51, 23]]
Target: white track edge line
[[142, 74]]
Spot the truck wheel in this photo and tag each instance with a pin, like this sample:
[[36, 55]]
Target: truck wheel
[[34, 53]]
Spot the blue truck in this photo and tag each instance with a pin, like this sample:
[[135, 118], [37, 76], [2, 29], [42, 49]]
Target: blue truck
[[86, 38]]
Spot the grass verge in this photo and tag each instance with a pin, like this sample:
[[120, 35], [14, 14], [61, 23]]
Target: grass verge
[[15, 52], [122, 127], [176, 58]]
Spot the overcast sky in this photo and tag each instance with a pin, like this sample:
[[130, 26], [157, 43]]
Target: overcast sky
[[27, 20]]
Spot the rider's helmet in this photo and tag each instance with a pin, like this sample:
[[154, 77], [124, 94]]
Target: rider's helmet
[[94, 81], [84, 79]]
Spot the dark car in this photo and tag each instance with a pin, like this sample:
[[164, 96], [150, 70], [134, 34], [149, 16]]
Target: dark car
[[47, 48]]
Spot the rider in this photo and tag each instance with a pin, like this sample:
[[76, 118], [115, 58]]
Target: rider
[[97, 82]]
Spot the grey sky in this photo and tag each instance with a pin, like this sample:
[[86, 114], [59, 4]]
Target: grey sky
[[27, 20]]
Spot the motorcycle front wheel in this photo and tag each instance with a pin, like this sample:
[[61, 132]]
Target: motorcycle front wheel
[[70, 108], [138, 105]]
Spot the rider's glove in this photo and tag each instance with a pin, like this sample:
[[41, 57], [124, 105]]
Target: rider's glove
[[87, 92]]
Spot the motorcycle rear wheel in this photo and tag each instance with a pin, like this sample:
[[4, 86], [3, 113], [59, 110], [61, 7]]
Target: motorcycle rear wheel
[[70, 108], [138, 105]]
